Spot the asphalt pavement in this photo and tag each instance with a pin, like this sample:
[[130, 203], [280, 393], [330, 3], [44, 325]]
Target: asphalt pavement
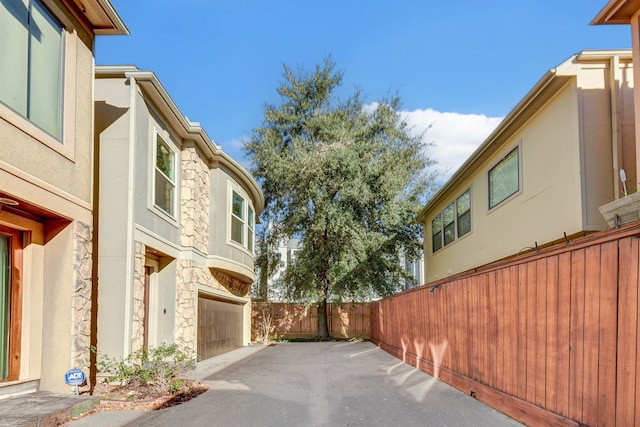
[[317, 384]]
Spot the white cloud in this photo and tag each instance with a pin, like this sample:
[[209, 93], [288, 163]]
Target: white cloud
[[234, 145], [455, 136], [233, 148]]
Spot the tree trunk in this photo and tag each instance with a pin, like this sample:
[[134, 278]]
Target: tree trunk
[[262, 289], [323, 323]]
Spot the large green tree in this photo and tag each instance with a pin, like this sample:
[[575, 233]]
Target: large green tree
[[345, 177]]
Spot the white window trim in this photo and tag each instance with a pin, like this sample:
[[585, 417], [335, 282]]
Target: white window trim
[[229, 214], [243, 219], [517, 146], [251, 219], [67, 143], [152, 177]]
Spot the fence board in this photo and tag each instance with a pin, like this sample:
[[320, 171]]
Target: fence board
[[484, 325], [522, 331], [492, 333], [591, 334], [541, 332], [500, 313], [627, 327], [474, 328], [607, 341], [564, 332], [531, 332], [576, 346], [512, 362], [551, 351]]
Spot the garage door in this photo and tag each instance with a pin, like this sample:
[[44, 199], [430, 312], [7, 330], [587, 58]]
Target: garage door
[[219, 327]]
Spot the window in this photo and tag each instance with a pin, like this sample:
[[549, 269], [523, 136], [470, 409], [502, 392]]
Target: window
[[31, 64], [250, 227], [165, 177], [449, 220], [463, 213], [237, 218], [452, 223], [504, 178], [242, 221], [436, 232]]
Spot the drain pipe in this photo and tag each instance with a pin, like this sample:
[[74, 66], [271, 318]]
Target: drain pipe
[[616, 150]]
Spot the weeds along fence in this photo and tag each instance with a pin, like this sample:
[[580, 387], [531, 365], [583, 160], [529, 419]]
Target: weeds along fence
[[290, 320], [549, 338]]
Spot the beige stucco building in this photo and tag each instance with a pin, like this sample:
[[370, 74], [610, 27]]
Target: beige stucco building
[[46, 191], [544, 171], [175, 224]]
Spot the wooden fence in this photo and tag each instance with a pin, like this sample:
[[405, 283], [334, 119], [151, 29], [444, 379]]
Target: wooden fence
[[549, 339], [290, 320]]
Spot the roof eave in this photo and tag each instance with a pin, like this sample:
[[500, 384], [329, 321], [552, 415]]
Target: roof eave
[[102, 16], [616, 12]]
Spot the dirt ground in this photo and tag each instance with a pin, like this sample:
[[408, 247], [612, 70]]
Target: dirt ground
[[143, 396]]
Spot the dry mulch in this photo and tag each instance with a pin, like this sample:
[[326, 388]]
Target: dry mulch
[[136, 396]]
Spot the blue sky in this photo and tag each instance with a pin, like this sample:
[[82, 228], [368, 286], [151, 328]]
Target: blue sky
[[460, 66]]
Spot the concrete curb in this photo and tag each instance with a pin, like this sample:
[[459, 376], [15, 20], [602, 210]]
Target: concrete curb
[[44, 409]]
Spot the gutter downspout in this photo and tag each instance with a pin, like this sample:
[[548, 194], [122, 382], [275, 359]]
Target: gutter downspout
[[635, 49], [129, 269], [616, 149]]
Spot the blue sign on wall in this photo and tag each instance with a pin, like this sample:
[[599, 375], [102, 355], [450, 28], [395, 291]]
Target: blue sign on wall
[[75, 377]]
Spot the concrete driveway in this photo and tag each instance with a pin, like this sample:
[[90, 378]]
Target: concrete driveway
[[326, 384]]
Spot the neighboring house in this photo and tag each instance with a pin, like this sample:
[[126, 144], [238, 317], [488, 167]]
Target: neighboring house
[[415, 268], [286, 254], [175, 224], [543, 173], [46, 172]]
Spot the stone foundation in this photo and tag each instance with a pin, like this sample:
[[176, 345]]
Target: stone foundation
[[137, 334], [81, 296]]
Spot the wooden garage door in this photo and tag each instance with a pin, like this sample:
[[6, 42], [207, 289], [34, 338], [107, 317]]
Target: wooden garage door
[[219, 327]]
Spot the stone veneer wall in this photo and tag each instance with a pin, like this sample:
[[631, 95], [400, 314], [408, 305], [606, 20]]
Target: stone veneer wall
[[190, 275], [137, 334], [81, 295], [194, 200]]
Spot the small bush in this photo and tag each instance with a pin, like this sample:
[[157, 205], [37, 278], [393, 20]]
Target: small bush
[[159, 366]]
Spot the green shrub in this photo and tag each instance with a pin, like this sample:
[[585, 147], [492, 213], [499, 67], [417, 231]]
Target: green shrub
[[157, 366]]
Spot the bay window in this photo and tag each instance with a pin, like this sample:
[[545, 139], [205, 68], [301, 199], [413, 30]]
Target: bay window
[[242, 221], [165, 177], [237, 218]]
